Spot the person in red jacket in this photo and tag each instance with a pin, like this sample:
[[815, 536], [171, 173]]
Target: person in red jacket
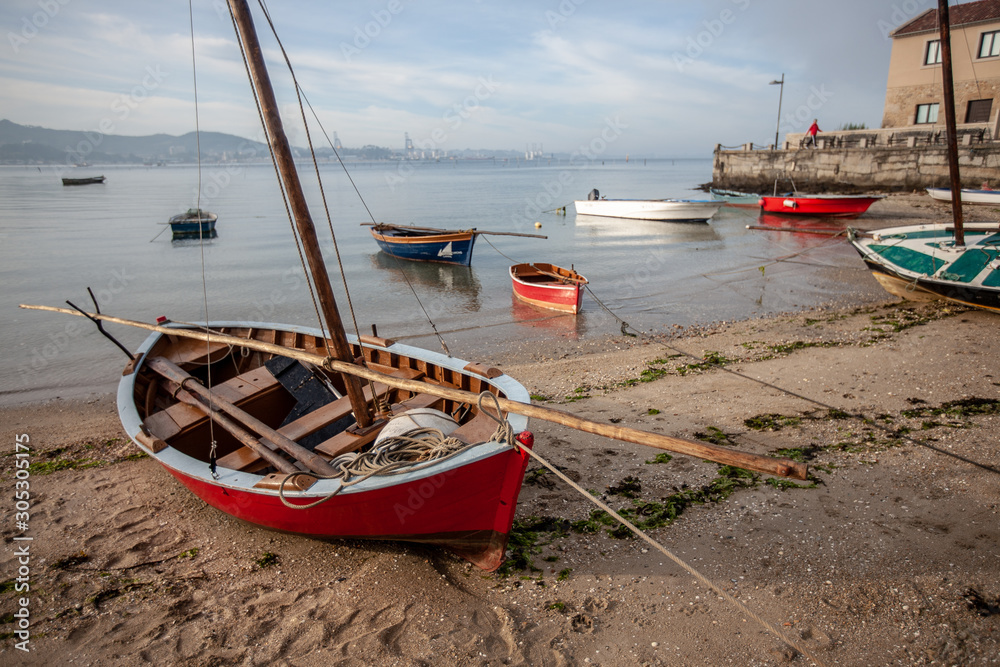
[[811, 133]]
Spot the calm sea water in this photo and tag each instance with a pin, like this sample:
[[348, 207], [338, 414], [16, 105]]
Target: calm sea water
[[56, 241]]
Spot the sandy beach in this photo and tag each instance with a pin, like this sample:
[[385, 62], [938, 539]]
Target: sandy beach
[[888, 555]]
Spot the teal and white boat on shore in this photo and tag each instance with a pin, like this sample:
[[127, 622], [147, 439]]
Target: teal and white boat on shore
[[922, 262]]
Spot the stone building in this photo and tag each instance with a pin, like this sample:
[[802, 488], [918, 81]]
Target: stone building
[[909, 151], [914, 94]]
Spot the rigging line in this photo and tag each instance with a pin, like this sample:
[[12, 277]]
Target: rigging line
[[312, 152], [201, 235], [772, 262], [300, 93], [857, 415], [669, 554], [972, 61], [284, 196]]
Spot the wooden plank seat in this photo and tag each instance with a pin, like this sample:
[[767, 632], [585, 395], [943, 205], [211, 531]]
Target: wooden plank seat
[[247, 460], [243, 391], [183, 351]]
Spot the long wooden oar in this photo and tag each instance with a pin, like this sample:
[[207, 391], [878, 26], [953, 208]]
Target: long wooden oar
[[383, 225], [726, 456]]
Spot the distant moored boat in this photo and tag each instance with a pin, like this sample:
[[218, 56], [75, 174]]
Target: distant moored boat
[[831, 206], [193, 222], [83, 181]]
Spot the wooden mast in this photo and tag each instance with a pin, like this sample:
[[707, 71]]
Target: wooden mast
[[300, 211], [948, 84]]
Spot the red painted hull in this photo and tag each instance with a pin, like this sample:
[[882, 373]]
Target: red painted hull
[[832, 206], [469, 509], [464, 502], [549, 292]]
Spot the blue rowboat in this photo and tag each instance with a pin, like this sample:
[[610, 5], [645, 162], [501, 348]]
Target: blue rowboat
[[194, 222], [426, 244]]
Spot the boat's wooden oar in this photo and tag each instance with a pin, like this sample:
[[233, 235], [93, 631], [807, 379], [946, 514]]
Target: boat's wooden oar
[[764, 464], [446, 231], [171, 371]]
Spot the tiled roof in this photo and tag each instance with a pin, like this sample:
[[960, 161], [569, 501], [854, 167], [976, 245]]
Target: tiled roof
[[970, 12]]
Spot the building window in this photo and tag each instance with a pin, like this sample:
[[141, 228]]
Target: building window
[[979, 111], [927, 113], [932, 56], [990, 44]]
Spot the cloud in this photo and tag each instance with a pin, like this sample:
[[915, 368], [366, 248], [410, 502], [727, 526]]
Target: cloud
[[687, 76]]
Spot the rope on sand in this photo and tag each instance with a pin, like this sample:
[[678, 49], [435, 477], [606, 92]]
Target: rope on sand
[[676, 559]]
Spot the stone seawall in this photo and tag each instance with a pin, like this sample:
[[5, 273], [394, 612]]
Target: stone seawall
[[852, 170]]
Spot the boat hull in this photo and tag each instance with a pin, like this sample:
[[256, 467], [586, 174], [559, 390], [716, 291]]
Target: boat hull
[[846, 206], [920, 263], [985, 197], [674, 210], [541, 286], [447, 248], [192, 228], [193, 223], [736, 199], [83, 181], [465, 503]]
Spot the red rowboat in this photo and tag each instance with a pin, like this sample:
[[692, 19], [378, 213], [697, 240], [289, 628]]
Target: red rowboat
[[548, 286], [835, 206], [465, 502]]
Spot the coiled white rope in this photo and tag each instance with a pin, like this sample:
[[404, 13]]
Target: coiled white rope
[[404, 453]]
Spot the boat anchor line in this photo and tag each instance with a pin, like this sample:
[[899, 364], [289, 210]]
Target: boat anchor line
[[857, 415], [676, 559]]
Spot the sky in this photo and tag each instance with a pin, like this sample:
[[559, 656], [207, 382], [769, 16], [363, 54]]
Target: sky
[[658, 78]]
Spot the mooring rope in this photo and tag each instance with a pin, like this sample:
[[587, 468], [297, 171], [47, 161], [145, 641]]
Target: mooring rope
[[676, 559], [407, 452]]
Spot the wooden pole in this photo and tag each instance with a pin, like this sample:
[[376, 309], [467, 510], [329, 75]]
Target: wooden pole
[[313, 461], [825, 232], [300, 211], [948, 86], [724, 455]]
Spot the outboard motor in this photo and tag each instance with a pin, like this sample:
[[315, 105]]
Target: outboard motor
[[594, 195]]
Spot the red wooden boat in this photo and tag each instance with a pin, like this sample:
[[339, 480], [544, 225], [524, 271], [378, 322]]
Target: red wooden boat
[[832, 206], [465, 502], [548, 286]]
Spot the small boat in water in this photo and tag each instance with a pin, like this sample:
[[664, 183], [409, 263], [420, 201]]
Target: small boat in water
[[426, 244], [830, 206], [548, 286], [736, 198], [83, 181], [193, 222], [968, 196], [674, 210], [429, 244]]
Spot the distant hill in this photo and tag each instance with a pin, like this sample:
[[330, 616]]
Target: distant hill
[[25, 144]]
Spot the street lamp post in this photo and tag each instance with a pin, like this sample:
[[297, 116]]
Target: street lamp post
[[781, 94]]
